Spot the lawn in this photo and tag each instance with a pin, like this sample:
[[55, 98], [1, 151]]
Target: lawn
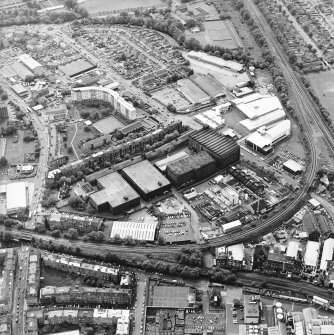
[[219, 33], [99, 6], [108, 125], [323, 84]]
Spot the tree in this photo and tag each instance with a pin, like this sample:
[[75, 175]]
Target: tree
[[3, 161], [4, 96], [55, 233], [73, 233], [74, 201]]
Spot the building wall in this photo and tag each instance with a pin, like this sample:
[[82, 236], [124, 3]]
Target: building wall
[[258, 149], [124, 206]]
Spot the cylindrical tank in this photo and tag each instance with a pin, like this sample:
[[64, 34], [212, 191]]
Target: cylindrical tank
[[278, 304], [279, 310], [279, 316]]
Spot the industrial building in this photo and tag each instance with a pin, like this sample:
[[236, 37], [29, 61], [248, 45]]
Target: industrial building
[[146, 179], [140, 231], [192, 92], [265, 138], [264, 120], [216, 61], [192, 168], [256, 105], [293, 167], [327, 253], [173, 296], [209, 85], [77, 67], [31, 64], [20, 90], [16, 198], [115, 194], [252, 308], [162, 164], [211, 118], [223, 149], [120, 105], [311, 255], [231, 226], [230, 194]]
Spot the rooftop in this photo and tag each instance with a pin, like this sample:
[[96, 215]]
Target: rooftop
[[74, 68], [189, 163], [312, 253], [293, 165], [162, 164], [219, 145], [116, 191], [16, 195], [146, 176], [142, 231]]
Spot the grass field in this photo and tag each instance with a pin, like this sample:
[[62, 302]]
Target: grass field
[[219, 33], [323, 84], [97, 6], [108, 125]]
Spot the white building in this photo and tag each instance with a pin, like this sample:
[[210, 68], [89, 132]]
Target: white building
[[228, 227], [16, 197], [327, 253], [141, 231], [264, 138], [211, 118], [292, 250], [29, 62], [216, 61], [105, 94], [264, 120], [312, 254], [230, 194]]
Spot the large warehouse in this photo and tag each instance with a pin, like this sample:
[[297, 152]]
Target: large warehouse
[[77, 67], [115, 194], [162, 164], [146, 179], [192, 168], [140, 231], [192, 92], [223, 149], [263, 139], [293, 167], [209, 85], [16, 198]]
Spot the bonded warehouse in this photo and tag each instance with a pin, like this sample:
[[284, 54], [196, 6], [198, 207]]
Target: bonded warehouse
[[193, 168], [115, 194], [223, 149], [146, 179]]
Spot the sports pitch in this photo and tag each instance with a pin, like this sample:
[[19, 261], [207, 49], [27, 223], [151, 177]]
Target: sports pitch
[[108, 125], [218, 33]]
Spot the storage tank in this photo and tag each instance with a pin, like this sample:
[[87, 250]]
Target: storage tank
[[280, 317], [279, 310], [278, 305]]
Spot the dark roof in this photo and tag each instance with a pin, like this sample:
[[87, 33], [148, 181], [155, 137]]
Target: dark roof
[[146, 176], [214, 142], [77, 67], [190, 163], [310, 223], [96, 175], [326, 226], [131, 127], [280, 258]]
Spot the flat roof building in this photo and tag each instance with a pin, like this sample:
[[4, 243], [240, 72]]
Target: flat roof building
[[209, 85], [211, 118], [263, 139], [115, 194], [293, 167], [162, 164], [312, 254], [292, 250], [252, 308], [192, 168], [327, 253], [77, 67], [16, 197], [146, 179], [141, 231], [173, 296], [223, 149], [20, 90]]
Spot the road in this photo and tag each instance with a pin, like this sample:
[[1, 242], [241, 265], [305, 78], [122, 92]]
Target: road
[[21, 280], [139, 311]]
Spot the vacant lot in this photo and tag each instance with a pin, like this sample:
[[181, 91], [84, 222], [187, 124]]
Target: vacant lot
[[323, 84], [97, 6], [17, 149], [219, 33], [169, 95], [108, 125]]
